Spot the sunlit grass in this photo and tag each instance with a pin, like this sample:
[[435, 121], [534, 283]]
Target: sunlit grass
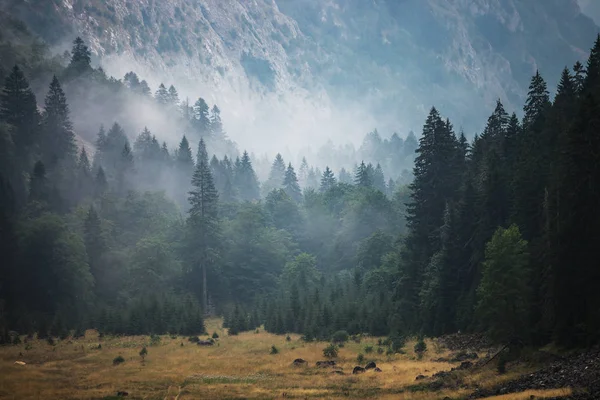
[[236, 367]]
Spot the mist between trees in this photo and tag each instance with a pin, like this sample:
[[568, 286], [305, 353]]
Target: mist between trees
[[491, 235]]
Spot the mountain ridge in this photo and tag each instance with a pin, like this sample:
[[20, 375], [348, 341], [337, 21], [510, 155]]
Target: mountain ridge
[[337, 68]]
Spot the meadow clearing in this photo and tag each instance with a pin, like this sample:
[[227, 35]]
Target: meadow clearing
[[237, 367]]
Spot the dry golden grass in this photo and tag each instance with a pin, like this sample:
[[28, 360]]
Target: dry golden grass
[[238, 367]]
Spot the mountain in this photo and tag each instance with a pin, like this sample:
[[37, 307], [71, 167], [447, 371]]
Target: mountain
[[298, 71]]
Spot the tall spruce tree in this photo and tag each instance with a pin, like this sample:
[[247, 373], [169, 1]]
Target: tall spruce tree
[[245, 180], [203, 227], [59, 139], [327, 180], [290, 184]]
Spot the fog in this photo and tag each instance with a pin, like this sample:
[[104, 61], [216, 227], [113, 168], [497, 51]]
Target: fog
[[259, 121]]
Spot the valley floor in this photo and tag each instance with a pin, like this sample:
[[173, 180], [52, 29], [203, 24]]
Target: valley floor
[[237, 367]]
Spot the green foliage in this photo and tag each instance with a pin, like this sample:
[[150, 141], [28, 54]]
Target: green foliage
[[360, 358], [215, 335], [155, 340], [143, 353], [274, 350], [118, 360], [420, 348], [368, 349], [331, 351], [339, 337], [504, 291]]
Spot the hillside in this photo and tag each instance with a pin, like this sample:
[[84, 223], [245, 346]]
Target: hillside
[[304, 66]]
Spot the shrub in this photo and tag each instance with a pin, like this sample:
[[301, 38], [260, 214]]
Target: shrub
[[331, 351], [143, 353], [274, 350], [360, 358], [194, 339], [356, 338], [389, 351], [16, 340], [154, 340], [420, 348], [339, 337], [368, 349], [396, 342], [50, 341], [380, 350], [288, 338], [118, 360], [215, 335], [173, 337], [379, 342]]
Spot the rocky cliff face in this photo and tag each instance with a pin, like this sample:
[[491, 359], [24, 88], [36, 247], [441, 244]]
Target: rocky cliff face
[[328, 66]]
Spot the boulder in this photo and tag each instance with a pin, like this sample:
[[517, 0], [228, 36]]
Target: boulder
[[377, 369], [325, 364], [465, 365], [205, 343], [420, 377], [358, 370], [299, 362], [371, 365]]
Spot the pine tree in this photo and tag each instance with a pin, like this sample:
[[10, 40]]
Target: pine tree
[[162, 95], [433, 187], [378, 179], [125, 170], [201, 118], [245, 181], [201, 154], [100, 183], [203, 226], [96, 246], [216, 125], [592, 78], [303, 173], [503, 294], [362, 177], [173, 96], [18, 108], [59, 139], [80, 58], [276, 175], [290, 184], [327, 180]]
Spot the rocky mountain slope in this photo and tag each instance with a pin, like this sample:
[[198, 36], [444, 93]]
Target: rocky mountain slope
[[319, 68]]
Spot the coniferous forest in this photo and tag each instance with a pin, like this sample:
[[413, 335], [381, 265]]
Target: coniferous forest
[[496, 234]]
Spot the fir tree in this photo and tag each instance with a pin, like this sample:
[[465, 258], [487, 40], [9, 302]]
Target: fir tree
[[327, 180], [162, 95], [276, 175], [362, 177], [290, 184], [201, 117], [59, 139], [173, 96], [203, 226], [216, 125], [245, 181], [80, 58]]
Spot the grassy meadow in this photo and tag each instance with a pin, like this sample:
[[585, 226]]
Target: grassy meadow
[[237, 367]]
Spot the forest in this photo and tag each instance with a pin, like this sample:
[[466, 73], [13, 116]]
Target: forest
[[492, 235]]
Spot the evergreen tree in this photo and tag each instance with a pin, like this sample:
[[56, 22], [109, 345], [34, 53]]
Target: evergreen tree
[[162, 95], [201, 118], [216, 125], [290, 184], [245, 181], [59, 139], [80, 58], [276, 175], [503, 294], [303, 173], [201, 154], [203, 226], [173, 96], [18, 108], [327, 180], [379, 179], [362, 177]]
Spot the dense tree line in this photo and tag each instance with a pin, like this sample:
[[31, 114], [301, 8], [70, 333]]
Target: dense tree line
[[500, 234], [141, 238], [492, 235]]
